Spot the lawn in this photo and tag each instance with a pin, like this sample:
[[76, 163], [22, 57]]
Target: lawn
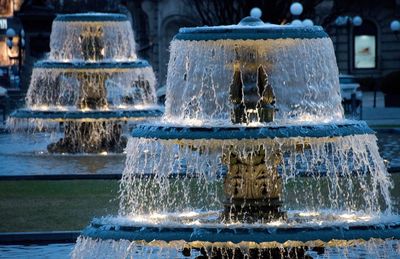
[[55, 205]]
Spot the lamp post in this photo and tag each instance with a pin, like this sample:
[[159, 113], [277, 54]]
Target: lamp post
[[11, 34], [349, 22]]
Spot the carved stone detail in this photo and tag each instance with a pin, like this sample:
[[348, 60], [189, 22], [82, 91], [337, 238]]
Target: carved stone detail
[[253, 186]]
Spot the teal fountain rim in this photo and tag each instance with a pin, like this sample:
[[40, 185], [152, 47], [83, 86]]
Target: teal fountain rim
[[106, 231], [91, 114], [338, 129], [91, 17], [80, 64], [251, 28]]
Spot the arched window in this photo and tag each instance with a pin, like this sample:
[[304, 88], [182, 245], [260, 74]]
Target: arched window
[[365, 45]]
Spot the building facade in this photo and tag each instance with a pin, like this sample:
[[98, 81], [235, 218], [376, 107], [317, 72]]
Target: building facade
[[367, 50]]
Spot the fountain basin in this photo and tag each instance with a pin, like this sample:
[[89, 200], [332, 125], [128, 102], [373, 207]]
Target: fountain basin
[[190, 231], [87, 115], [344, 128]]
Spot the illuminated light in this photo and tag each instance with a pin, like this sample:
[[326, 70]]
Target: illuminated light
[[188, 214], [104, 153], [296, 8], [309, 214]]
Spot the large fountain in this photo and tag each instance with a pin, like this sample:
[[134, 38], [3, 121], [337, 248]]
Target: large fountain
[[253, 155], [92, 83]]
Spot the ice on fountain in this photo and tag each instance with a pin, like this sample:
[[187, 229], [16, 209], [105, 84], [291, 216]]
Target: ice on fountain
[[116, 36], [345, 174], [302, 72]]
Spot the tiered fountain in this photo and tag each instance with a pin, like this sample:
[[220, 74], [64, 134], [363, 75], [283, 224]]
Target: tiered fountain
[[253, 151], [92, 82]]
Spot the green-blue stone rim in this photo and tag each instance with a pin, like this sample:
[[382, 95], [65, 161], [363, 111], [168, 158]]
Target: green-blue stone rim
[[250, 33], [166, 132], [91, 17], [140, 63]]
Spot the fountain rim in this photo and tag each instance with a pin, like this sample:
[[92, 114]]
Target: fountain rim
[[240, 234], [236, 32], [84, 65], [91, 17], [168, 132], [91, 114]]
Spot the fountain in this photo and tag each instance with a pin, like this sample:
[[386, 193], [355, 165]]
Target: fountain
[[92, 83], [253, 156]]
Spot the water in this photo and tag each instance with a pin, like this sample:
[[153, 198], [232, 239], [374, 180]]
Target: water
[[22, 154], [109, 249], [59, 251], [351, 175], [302, 72]]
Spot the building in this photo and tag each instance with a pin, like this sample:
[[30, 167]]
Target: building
[[368, 50], [11, 53]]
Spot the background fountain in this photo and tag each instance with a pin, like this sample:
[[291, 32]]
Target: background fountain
[[251, 109], [92, 82]]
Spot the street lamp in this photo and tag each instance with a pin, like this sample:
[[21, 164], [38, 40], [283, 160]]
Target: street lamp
[[349, 22], [395, 27], [11, 34], [296, 9]]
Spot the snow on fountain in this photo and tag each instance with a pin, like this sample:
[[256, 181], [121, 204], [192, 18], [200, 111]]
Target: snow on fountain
[[92, 82], [224, 176]]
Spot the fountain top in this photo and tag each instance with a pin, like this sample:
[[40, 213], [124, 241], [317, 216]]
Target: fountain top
[[251, 28], [91, 17]]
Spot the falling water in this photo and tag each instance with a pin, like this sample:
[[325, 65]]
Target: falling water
[[344, 174], [302, 72], [117, 38]]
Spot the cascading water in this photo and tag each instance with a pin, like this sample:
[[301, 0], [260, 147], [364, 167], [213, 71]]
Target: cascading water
[[253, 151], [92, 82]]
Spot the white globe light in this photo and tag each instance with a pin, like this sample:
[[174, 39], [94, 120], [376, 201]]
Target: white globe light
[[10, 33], [395, 26], [296, 22], [296, 8], [256, 12], [22, 33], [308, 22], [357, 20], [22, 43]]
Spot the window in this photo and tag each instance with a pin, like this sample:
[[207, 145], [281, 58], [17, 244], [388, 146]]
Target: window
[[365, 46], [365, 51]]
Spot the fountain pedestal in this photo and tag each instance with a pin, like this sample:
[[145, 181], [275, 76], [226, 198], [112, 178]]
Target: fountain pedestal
[[253, 187]]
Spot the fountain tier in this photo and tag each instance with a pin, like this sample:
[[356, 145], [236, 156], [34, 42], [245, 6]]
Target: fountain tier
[[92, 37], [298, 61]]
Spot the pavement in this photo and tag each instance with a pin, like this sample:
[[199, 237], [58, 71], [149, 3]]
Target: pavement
[[377, 116]]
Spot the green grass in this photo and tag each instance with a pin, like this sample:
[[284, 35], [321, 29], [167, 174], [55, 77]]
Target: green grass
[[55, 205]]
